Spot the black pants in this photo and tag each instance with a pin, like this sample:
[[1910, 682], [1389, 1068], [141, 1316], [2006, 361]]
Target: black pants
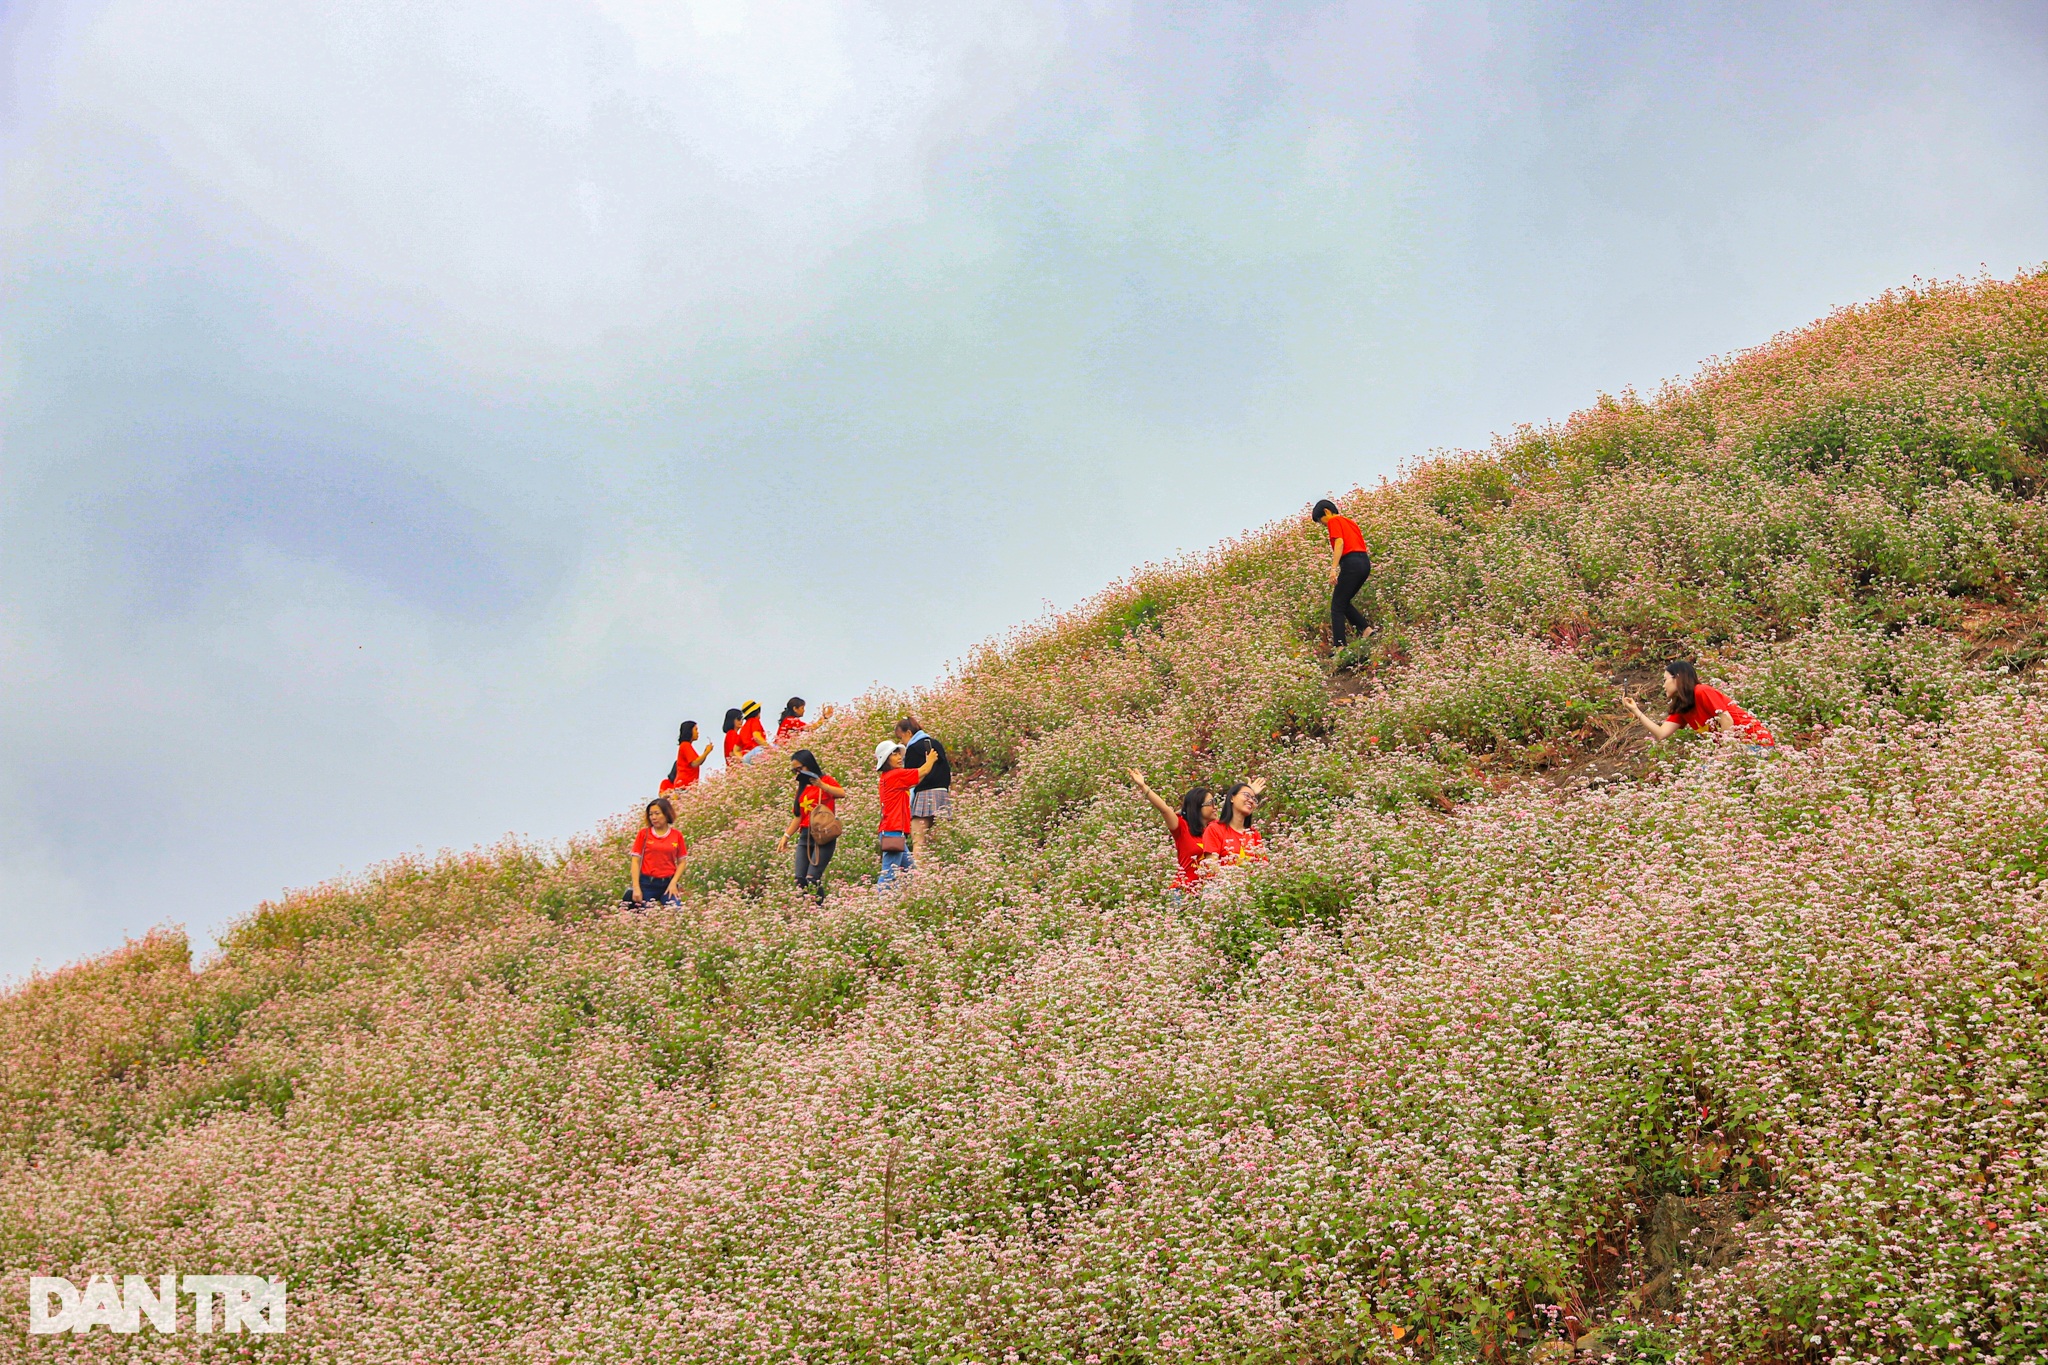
[[811, 860], [1352, 571]]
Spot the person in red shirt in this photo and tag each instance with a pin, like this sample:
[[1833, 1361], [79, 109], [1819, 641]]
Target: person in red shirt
[[1232, 840], [732, 735], [750, 735], [654, 868], [689, 764], [813, 789], [1696, 706], [897, 782], [792, 724], [1350, 566], [1198, 809]]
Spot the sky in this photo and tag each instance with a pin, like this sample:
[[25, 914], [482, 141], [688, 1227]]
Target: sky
[[410, 413]]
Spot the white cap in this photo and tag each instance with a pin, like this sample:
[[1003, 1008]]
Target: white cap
[[882, 752]]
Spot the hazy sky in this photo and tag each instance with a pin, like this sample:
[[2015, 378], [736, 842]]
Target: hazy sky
[[409, 412]]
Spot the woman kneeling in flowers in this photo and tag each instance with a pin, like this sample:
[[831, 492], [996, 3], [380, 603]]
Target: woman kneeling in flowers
[[1197, 810], [1696, 706], [1232, 839]]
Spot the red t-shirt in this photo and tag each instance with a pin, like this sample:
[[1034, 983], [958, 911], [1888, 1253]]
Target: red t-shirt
[[1708, 702], [689, 767], [789, 725], [659, 853], [896, 785], [807, 801], [751, 734], [1344, 531], [732, 744], [1187, 851], [1229, 846]]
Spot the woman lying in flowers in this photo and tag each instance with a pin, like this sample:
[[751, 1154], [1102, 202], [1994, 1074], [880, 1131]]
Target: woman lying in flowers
[[1198, 809], [1232, 838], [1696, 706]]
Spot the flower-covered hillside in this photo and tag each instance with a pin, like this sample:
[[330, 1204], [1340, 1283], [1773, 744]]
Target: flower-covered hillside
[[1532, 1038]]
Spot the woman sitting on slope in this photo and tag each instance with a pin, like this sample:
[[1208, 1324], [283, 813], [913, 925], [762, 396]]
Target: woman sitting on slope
[[750, 737], [1696, 706], [1186, 826], [654, 867], [793, 724], [689, 764], [813, 790], [1232, 840]]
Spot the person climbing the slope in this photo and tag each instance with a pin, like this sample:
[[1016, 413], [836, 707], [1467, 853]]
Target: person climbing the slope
[[654, 867], [813, 822], [1350, 566], [732, 736], [1231, 840], [1185, 826], [792, 724], [1696, 706], [932, 799], [689, 764], [896, 783], [750, 737]]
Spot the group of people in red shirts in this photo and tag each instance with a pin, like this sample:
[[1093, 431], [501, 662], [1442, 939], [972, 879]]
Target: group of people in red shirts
[[1210, 829], [913, 781], [913, 777], [655, 864]]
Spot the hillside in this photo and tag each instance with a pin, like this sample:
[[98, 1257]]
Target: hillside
[[1533, 1035]]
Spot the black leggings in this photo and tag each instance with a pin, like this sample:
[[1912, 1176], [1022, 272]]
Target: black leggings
[[811, 860], [1352, 571]]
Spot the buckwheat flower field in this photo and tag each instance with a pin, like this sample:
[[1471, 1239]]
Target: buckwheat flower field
[[1535, 1039]]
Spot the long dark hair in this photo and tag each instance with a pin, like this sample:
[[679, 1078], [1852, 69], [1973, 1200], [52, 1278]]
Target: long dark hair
[[1191, 809], [660, 803], [1688, 677], [1227, 801], [807, 763], [732, 719], [789, 707], [688, 734]]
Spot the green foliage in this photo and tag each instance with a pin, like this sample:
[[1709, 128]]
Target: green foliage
[[1490, 693], [1143, 612]]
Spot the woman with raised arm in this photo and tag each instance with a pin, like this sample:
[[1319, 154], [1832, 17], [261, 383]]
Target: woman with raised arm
[[814, 791], [689, 764], [1696, 706], [792, 725], [654, 867], [1232, 840], [1185, 826], [895, 784]]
